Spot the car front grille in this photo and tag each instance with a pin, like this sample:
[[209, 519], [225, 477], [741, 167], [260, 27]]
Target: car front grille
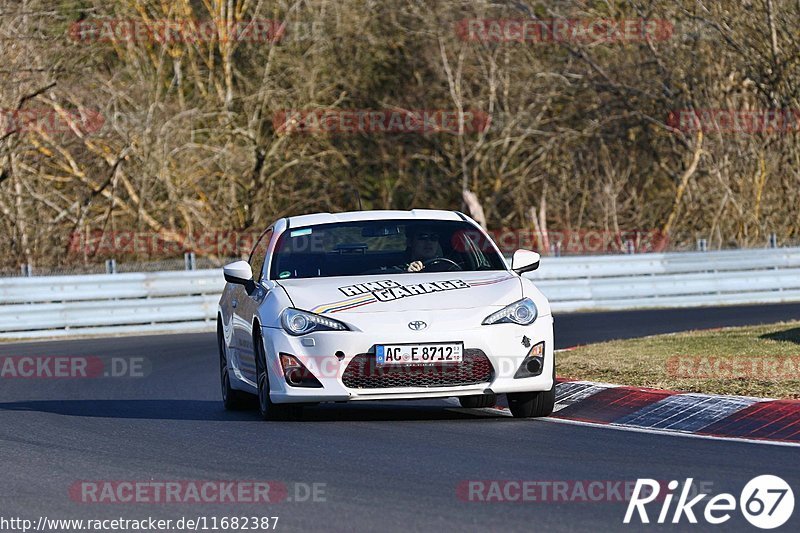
[[363, 373]]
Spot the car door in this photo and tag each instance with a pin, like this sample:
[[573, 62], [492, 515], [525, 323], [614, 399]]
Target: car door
[[245, 305]]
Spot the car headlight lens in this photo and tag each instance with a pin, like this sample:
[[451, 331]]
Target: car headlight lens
[[522, 312], [297, 322]]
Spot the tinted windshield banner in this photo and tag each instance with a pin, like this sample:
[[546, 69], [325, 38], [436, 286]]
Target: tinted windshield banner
[[388, 290]]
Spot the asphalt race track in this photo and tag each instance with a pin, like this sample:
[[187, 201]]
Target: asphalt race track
[[383, 466], [583, 328]]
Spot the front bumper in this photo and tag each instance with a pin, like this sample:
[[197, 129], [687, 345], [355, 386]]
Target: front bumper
[[505, 345]]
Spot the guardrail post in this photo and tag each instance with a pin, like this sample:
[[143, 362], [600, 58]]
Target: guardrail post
[[26, 270], [773, 240], [702, 245], [111, 266], [189, 261]]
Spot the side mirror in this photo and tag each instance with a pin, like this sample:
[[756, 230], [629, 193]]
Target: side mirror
[[524, 261], [239, 273]]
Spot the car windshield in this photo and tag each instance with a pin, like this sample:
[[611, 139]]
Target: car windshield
[[381, 247]]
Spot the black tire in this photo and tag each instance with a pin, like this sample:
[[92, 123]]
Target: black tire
[[478, 401], [267, 409], [533, 404], [232, 399]]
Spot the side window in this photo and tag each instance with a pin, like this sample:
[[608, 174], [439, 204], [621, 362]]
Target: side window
[[259, 254], [476, 255]]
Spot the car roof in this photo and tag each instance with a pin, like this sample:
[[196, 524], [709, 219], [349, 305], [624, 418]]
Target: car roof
[[355, 216]]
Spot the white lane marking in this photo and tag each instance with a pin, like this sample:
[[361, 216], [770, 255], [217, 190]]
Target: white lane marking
[[601, 384], [570, 393], [667, 432], [652, 431], [686, 412]]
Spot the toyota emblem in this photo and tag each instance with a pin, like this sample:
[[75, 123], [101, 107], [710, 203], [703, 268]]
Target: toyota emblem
[[417, 325]]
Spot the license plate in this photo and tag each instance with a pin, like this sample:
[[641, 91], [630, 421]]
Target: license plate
[[405, 354]]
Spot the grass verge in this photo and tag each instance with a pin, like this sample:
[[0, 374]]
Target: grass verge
[[759, 361]]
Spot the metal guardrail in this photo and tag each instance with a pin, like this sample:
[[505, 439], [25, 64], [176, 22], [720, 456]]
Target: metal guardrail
[[687, 279], [187, 300], [52, 306]]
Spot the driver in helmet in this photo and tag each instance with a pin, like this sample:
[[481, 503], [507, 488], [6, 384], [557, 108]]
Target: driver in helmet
[[423, 246]]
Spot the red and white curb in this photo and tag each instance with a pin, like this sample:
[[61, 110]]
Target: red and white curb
[[663, 411]]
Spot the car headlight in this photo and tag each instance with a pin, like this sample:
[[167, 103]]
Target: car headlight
[[297, 322], [522, 312]]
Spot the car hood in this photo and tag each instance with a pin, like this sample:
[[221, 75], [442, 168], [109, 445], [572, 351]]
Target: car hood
[[403, 292]]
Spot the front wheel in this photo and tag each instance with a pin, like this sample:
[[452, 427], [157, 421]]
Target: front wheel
[[267, 409], [478, 401], [232, 399], [533, 404]]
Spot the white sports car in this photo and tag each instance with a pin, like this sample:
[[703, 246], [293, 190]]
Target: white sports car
[[383, 305]]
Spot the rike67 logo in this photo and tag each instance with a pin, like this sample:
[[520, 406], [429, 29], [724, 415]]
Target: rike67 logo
[[766, 502]]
